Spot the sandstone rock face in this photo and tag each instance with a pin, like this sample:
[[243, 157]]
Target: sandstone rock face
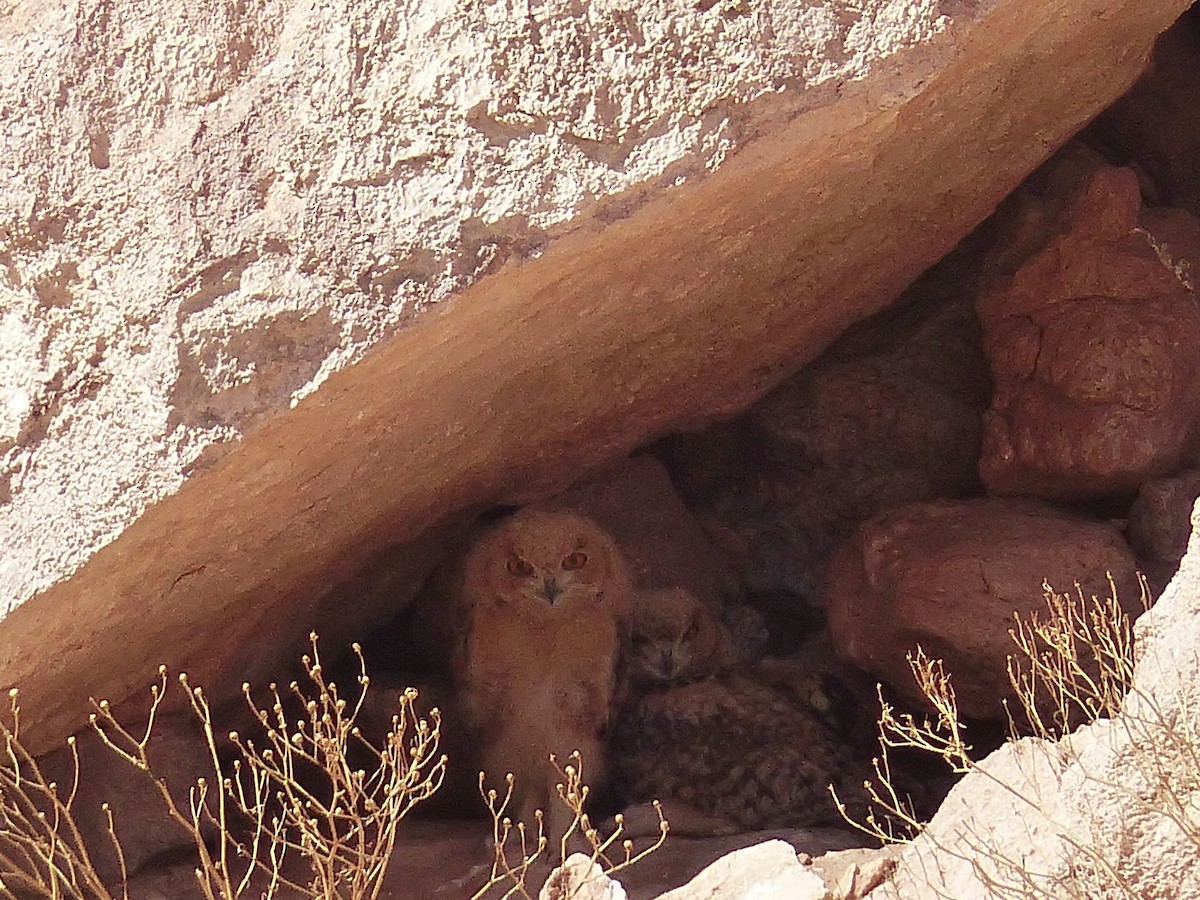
[[269, 173], [950, 575], [230, 202], [1101, 799], [1093, 343]]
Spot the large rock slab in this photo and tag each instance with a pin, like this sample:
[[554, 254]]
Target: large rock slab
[[687, 305], [232, 201]]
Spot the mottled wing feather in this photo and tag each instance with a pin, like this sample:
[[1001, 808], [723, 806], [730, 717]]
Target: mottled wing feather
[[732, 747]]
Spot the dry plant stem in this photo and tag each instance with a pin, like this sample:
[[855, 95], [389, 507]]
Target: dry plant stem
[[346, 837], [502, 871], [215, 875], [891, 818], [1077, 660], [1074, 665], [573, 792], [41, 849]]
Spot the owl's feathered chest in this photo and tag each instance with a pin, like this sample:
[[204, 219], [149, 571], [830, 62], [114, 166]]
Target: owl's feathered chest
[[545, 659]]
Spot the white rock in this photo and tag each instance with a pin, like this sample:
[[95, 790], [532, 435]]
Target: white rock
[[767, 871], [580, 878]]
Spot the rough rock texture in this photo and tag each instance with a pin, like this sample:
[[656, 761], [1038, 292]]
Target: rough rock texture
[[580, 876], [856, 872], [689, 304], [767, 871], [1093, 340], [177, 752], [208, 210], [949, 575], [1159, 524], [1094, 800], [888, 415]]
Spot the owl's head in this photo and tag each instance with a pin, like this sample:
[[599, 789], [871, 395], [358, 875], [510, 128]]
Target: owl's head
[[676, 639], [557, 558]]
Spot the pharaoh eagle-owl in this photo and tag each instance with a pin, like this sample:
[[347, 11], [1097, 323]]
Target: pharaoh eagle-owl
[[546, 597], [750, 746]]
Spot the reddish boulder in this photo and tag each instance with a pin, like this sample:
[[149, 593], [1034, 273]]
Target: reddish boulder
[[890, 414], [1093, 337], [950, 575]]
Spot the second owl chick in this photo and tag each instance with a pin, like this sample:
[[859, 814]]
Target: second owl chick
[[675, 638], [547, 598], [722, 741]]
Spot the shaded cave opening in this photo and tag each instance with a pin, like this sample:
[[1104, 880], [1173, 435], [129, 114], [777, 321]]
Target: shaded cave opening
[[1026, 411]]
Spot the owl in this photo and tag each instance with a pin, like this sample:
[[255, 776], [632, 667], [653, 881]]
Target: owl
[[546, 598], [674, 638], [724, 741]]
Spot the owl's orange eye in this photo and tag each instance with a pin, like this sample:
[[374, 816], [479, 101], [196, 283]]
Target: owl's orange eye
[[576, 560], [518, 566]]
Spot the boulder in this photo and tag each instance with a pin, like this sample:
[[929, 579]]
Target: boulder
[[1093, 340], [767, 871], [949, 576], [147, 833], [580, 878], [889, 414]]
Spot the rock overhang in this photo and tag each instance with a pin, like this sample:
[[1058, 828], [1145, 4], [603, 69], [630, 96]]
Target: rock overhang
[[664, 309]]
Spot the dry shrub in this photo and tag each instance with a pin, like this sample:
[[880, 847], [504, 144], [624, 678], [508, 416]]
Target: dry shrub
[[291, 796], [264, 812], [1074, 665], [42, 852], [528, 844]]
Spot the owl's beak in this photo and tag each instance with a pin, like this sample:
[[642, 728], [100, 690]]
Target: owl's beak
[[550, 588]]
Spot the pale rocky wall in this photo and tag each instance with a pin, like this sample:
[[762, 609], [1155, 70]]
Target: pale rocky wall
[[207, 208]]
